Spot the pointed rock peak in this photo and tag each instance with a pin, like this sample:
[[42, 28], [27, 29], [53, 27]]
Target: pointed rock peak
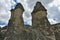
[[19, 5], [39, 7]]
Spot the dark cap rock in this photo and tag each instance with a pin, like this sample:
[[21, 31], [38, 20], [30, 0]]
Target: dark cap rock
[[19, 5], [39, 7]]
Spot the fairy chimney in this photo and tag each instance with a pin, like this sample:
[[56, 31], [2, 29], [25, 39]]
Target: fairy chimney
[[16, 16], [39, 15]]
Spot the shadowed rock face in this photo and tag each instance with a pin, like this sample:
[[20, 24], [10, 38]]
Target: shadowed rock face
[[40, 22], [39, 16], [15, 23], [40, 29], [16, 16], [39, 7]]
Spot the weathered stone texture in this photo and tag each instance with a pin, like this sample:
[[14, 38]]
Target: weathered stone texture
[[40, 29]]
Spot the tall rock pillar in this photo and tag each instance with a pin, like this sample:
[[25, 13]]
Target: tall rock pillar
[[39, 15], [15, 24], [40, 23], [16, 16]]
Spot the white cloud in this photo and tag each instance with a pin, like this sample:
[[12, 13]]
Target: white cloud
[[52, 21], [54, 11], [59, 8], [5, 11]]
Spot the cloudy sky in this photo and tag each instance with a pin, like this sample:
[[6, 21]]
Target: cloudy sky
[[52, 6]]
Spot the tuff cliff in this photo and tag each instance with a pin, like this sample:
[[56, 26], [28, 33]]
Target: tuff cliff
[[40, 29]]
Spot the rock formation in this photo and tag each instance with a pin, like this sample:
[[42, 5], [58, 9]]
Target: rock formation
[[40, 29], [15, 23], [40, 21]]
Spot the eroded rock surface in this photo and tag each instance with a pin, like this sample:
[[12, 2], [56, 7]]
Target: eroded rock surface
[[40, 29]]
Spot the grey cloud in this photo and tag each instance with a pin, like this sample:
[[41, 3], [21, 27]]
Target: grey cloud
[[4, 14], [54, 14]]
